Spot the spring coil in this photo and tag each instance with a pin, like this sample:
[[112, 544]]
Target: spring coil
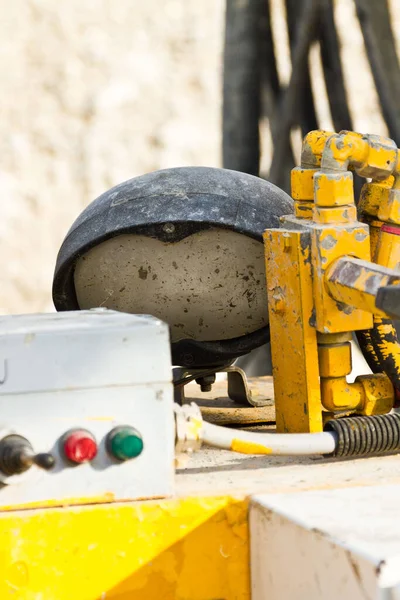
[[362, 436]]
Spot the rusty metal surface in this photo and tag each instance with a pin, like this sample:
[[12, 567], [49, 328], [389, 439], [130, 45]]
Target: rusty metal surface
[[218, 408]]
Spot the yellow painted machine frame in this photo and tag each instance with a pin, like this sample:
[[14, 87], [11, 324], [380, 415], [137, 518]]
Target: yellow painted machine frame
[[175, 549], [324, 271]]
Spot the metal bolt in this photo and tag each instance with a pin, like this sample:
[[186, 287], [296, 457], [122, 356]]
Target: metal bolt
[[169, 228], [206, 383]]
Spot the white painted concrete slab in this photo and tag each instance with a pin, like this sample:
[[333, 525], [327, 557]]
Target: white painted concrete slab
[[330, 544]]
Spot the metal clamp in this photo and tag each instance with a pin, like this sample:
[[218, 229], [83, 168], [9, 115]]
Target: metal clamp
[[238, 388]]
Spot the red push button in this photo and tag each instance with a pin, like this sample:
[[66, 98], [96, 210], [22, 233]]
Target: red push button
[[79, 446]]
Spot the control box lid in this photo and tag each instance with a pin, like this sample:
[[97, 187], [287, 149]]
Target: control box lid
[[82, 349]]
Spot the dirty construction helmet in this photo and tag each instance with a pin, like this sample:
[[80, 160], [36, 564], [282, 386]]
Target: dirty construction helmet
[[184, 245]]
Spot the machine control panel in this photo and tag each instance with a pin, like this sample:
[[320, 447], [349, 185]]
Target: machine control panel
[[86, 408]]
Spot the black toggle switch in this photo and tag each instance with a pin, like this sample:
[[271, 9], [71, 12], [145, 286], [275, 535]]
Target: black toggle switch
[[17, 456]]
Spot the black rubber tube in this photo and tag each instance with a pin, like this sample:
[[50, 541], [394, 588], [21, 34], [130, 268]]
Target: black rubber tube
[[242, 87], [332, 67], [306, 114], [384, 336], [268, 69], [272, 92], [282, 125], [368, 351], [372, 15], [360, 436]]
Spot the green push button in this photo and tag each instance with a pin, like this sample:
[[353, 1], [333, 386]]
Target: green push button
[[124, 443]]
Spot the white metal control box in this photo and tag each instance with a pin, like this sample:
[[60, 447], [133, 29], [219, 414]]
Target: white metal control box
[[86, 370]]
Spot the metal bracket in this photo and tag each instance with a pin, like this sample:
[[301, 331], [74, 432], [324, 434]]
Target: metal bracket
[[238, 388]]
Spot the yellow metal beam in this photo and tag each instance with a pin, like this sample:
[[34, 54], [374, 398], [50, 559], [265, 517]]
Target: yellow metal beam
[[293, 336], [182, 549]]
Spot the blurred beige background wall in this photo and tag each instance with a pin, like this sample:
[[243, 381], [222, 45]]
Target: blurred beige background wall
[[97, 91], [94, 92]]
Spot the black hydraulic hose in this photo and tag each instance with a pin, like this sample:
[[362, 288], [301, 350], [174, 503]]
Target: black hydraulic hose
[[363, 436], [368, 350], [241, 86], [285, 117], [387, 347], [271, 90], [269, 71], [332, 67], [371, 14], [306, 116]]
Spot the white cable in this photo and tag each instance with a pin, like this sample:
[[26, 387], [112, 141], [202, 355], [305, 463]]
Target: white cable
[[285, 444]]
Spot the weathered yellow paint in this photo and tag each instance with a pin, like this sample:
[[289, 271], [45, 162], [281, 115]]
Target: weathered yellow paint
[[334, 359], [378, 394], [388, 345], [333, 189], [303, 210], [344, 281], [389, 209], [328, 244], [334, 215], [371, 155], [182, 549], [341, 147], [388, 254], [374, 232], [249, 447], [313, 147], [373, 195], [356, 282], [302, 183], [388, 250], [382, 157], [338, 395], [293, 336], [368, 395]]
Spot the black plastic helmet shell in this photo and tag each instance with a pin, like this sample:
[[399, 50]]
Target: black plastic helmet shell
[[190, 198]]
